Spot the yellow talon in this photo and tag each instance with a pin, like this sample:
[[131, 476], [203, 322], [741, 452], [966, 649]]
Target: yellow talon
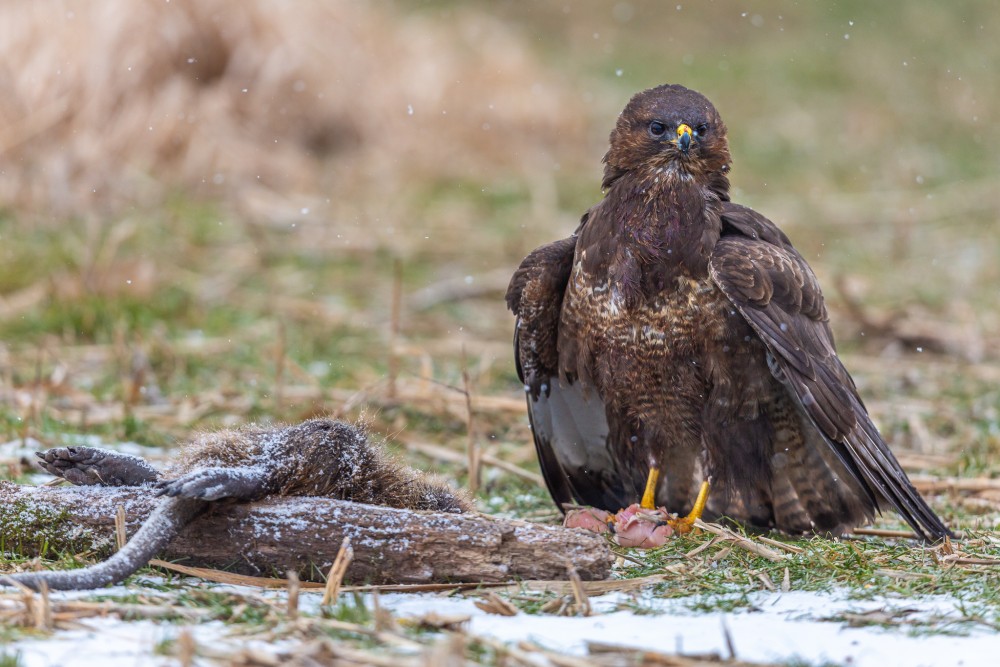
[[684, 525], [649, 495]]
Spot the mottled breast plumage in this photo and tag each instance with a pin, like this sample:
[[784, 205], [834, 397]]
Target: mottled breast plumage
[[678, 333]]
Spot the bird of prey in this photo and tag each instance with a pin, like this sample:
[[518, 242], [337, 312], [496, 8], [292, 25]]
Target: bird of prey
[[677, 337]]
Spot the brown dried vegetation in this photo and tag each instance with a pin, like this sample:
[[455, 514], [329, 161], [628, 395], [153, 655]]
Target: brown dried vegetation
[[106, 107]]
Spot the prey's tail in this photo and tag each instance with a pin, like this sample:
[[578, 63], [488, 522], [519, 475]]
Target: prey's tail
[[162, 526]]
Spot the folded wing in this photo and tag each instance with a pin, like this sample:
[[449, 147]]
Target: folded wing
[[777, 293], [568, 423]]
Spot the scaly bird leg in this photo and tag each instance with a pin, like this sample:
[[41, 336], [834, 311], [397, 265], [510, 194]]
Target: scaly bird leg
[[684, 525], [649, 495]]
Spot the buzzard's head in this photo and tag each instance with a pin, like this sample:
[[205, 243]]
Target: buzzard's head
[[672, 130]]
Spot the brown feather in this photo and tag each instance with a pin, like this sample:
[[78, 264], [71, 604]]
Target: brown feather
[[678, 330]]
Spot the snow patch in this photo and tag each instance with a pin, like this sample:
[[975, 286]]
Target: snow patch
[[777, 627]]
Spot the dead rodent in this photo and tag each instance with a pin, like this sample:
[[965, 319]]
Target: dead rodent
[[320, 457]]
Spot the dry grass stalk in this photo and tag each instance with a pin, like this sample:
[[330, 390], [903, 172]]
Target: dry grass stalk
[[42, 607], [137, 378], [449, 652], [921, 437], [38, 397], [955, 559], [432, 620], [248, 657], [580, 596], [594, 587], [472, 450], [336, 653], [186, 648], [721, 555], [120, 537], [65, 614], [492, 603], [902, 574], [557, 606], [703, 546], [766, 580], [636, 656], [456, 288], [395, 317], [383, 618], [424, 588], [926, 484], [336, 576], [884, 532], [790, 548], [740, 541], [223, 577], [83, 609], [621, 556], [786, 582], [447, 455], [418, 392], [292, 608], [280, 362]]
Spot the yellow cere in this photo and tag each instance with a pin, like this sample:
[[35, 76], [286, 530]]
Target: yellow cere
[[683, 129]]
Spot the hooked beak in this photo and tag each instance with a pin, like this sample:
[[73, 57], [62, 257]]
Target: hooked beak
[[684, 138]]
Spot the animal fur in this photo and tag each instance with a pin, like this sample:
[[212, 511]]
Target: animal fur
[[320, 457]]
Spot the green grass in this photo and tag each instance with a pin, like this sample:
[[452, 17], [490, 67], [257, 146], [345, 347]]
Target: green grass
[[882, 173], [11, 659], [722, 578], [34, 530]]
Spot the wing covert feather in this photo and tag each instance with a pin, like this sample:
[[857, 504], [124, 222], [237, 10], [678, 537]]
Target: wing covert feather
[[777, 293], [568, 425]]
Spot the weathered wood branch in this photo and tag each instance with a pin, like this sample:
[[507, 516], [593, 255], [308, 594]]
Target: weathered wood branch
[[303, 534]]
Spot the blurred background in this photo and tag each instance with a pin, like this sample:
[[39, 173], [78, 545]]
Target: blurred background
[[220, 210]]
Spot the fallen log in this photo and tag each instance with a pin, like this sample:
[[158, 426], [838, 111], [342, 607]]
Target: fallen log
[[303, 534]]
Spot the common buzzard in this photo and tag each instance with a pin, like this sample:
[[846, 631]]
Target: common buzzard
[[677, 337]]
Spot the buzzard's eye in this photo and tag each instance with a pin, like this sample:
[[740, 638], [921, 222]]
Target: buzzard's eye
[[701, 130], [657, 129]]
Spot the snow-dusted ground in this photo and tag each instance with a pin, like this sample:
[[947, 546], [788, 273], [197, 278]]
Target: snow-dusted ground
[[778, 628], [783, 626]]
